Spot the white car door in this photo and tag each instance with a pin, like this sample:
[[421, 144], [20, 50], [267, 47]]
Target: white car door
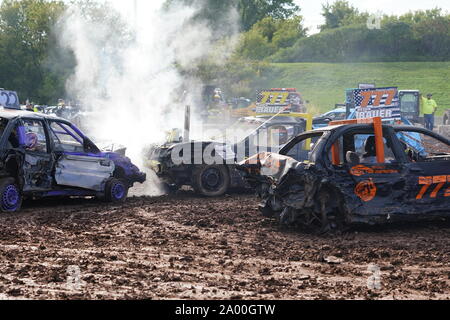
[[75, 167]]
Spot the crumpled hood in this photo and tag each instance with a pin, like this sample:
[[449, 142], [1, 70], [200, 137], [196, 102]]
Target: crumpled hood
[[268, 164], [131, 171]]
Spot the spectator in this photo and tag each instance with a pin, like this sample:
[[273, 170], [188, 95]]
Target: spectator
[[429, 109]]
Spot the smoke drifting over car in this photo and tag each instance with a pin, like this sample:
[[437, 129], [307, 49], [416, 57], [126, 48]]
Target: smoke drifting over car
[[129, 82]]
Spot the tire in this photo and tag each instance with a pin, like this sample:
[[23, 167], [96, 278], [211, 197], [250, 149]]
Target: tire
[[171, 188], [211, 181], [10, 195], [116, 191]]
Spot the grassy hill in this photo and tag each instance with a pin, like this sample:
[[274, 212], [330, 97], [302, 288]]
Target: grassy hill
[[324, 84]]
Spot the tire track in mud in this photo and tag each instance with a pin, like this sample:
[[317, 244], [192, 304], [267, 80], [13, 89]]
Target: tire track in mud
[[187, 247]]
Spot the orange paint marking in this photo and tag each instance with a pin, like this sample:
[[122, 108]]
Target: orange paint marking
[[439, 179], [335, 153], [437, 189], [425, 180], [423, 191], [366, 190]]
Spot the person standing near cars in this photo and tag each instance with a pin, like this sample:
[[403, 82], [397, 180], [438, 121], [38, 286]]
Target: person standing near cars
[[429, 109]]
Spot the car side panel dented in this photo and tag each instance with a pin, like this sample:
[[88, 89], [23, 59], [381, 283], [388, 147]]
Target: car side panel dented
[[36, 170], [83, 172], [326, 192]]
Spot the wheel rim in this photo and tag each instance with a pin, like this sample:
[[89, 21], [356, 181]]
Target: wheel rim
[[10, 198], [212, 179], [118, 191]]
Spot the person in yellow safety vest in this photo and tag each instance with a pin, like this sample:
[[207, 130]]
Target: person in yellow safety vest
[[429, 109], [29, 107]]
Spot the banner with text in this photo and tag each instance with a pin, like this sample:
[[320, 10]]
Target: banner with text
[[377, 102]]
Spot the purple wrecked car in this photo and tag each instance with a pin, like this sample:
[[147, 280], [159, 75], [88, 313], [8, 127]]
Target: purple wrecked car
[[44, 156]]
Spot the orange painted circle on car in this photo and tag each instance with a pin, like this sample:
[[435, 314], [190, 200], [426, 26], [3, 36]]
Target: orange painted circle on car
[[366, 190], [361, 170]]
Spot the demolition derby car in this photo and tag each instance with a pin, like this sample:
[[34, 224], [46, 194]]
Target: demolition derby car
[[210, 166], [400, 173], [44, 156]]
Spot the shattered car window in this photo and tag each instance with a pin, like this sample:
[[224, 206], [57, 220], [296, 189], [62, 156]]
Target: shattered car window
[[301, 148], [35, 138], [420, 147], [66, 139]]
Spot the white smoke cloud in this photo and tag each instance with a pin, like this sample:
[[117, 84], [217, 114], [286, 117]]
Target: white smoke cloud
[[131, 86]]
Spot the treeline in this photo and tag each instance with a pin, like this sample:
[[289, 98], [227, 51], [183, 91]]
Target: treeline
[[419, 36], [28, 46], [351, 36], [33, 61]]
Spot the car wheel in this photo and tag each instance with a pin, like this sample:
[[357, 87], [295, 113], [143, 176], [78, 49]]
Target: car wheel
[[171, 188], [211, 181], [116, 190], [11, 198]]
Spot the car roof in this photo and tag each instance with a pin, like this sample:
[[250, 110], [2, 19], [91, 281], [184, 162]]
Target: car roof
[[346, 126], [278, 119], [336, 110], [6, 113]]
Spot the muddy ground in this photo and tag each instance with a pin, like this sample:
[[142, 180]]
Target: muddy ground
[[186, 247]]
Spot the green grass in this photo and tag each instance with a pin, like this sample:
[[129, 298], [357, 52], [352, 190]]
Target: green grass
[[324, 84]]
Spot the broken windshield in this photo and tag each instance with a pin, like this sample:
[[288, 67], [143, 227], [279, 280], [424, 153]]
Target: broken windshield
[[301, 148]]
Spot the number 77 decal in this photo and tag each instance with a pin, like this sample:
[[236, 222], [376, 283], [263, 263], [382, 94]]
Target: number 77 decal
[[378, 97], [427, 182]]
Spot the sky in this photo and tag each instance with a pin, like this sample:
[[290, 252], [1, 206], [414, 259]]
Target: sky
[[311, 9]]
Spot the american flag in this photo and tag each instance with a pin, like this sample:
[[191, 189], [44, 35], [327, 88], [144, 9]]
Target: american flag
[[387, 111]]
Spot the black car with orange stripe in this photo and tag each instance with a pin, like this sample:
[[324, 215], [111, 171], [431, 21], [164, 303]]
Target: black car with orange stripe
[[399, 173]]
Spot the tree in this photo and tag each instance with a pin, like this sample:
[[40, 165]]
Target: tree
[[340, 14], [255, 46], [215, 12], [33, 60], [26, 34], [288, 32], [252, 11], [269, 35]]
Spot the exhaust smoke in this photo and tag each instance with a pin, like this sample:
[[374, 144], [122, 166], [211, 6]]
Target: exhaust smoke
[[127, 74]]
